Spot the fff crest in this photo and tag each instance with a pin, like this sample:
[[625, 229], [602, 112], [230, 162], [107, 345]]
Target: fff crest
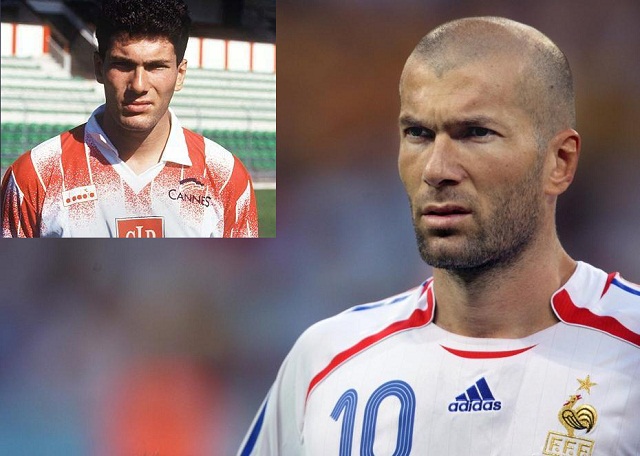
[[574, 417]]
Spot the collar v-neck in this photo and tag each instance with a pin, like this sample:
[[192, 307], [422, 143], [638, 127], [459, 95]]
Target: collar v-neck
[[175, 151]]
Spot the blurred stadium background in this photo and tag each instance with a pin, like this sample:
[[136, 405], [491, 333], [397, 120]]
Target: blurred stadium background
[[229, 95], [107, 347]]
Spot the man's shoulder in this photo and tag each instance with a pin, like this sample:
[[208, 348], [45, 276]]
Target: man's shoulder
[[600, 301], [214, 156], [331, 343], [204, 144], [64, 141], [363, 325], [47, 152]]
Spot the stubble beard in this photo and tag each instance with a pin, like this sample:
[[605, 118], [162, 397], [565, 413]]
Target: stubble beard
[[499, 241]]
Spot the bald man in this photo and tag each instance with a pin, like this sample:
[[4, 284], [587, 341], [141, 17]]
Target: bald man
[[512, 347]]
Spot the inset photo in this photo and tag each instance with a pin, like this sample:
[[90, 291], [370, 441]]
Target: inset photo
[[138, 119]]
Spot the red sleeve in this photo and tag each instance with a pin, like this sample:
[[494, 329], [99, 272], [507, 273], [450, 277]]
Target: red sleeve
[[22, 196], [241, 213]]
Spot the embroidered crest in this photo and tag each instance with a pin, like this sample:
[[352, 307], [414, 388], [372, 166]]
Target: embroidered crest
[[574, 417]]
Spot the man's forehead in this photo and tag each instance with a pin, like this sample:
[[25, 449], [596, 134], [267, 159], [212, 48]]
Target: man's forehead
[[124, 42], [495, 61], [469, 91], [464, 80]]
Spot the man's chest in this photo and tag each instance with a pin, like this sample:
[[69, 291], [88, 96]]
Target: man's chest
[[411, 400], [172, 203]]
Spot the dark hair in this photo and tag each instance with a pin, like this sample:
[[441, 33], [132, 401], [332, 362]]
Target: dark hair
[[144, 18]]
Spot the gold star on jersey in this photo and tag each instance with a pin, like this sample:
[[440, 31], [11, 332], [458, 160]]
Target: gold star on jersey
[[586, 384]]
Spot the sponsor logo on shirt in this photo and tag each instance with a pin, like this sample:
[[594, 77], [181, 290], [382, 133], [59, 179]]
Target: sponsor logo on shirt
[[79, 195], [142, 227], [477, 398], [190, 190]]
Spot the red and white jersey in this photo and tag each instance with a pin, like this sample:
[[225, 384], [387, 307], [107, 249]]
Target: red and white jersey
[[383, 379], [76, 185]]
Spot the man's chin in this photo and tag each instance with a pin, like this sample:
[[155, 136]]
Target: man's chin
[[442, 260], [449, 252], [452, 263], [136, 123], [466, 259]]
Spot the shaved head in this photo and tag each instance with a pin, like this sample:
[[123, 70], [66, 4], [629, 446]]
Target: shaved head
[[544, 87]]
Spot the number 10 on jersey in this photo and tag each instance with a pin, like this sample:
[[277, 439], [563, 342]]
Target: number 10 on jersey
[[348, 403]]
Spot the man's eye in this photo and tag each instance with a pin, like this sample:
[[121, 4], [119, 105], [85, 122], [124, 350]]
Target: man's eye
[[417, 132], [478, 132], [123, 66]]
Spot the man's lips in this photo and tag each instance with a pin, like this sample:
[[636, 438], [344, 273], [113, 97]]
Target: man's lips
[[445, 209], [444, 216], [137, 106]]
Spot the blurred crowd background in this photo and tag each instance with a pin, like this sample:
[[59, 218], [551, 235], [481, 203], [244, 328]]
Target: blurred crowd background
[[168, 347]]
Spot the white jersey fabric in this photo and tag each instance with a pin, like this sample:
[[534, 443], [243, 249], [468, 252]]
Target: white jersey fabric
[[381, 379], [76, 185]]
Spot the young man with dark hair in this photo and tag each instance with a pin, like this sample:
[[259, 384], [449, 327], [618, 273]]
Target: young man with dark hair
[[132, 170]]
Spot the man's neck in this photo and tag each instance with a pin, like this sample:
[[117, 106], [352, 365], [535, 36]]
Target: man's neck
[[503, 302], [139, 150]]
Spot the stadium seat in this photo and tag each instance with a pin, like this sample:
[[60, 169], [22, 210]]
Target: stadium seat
[[235, 109]]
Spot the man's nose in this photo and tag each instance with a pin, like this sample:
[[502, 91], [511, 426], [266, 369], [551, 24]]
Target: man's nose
[[139, 80], [442, 166]]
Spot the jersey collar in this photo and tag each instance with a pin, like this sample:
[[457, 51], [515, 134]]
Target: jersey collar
[[175, 151]]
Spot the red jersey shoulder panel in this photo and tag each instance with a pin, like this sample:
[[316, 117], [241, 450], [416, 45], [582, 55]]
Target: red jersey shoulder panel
[[600, 301], [74, 160], [196, 148], [21, 197], [30, 177], [241, 213], [231, 183], [416, 311]]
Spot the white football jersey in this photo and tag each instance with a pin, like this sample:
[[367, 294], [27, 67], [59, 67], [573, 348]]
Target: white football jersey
[[76, 185], [382, 379]]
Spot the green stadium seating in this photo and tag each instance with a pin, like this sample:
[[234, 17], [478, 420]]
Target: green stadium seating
[[235, 109], [256, 149]]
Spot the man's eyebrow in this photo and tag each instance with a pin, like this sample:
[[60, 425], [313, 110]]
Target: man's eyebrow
[[409, 121], [473, 121], [123, 59]]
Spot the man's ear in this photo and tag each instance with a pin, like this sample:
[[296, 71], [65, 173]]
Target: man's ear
[[97, 67], [562, 161], [182, 72]]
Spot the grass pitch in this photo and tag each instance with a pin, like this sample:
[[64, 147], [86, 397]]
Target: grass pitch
[[266, 200]]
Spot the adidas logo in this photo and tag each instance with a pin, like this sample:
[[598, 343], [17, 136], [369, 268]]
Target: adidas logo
[[477, 398]]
